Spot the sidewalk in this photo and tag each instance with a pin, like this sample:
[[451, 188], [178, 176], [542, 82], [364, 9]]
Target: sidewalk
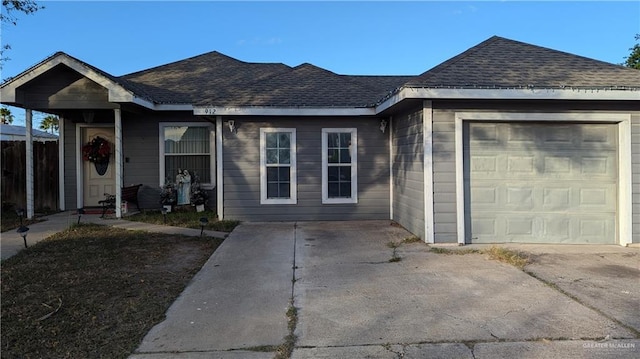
[[11, 242]]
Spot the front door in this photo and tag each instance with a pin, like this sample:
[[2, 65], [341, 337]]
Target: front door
[[95, 184]]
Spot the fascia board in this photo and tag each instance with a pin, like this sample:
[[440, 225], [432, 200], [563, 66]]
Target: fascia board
[[7, 94], [509, 94], [172, 107], [280, 111]]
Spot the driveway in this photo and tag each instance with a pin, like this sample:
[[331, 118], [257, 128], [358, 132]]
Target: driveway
[[353, 302]]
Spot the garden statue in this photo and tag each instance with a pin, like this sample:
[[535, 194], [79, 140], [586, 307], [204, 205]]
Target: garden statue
[[183, 182]]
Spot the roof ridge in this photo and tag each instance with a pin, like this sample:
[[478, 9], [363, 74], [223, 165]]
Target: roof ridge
[[522, 43], [457, 58], [155, 68]]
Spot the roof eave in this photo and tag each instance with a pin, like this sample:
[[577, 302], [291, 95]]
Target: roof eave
[[281, 111], [589, 94]]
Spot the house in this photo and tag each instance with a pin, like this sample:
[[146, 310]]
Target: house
[[505, 142], [19, 133]]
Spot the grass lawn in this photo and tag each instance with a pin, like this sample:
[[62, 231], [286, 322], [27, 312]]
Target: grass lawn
[[10, 220], [93, 291], [185, 218]]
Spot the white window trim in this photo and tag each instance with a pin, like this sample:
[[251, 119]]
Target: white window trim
[[622, 120], [354, 166], [212, 150], [293, 194]]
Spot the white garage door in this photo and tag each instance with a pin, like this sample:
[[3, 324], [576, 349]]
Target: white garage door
[[541, 182]]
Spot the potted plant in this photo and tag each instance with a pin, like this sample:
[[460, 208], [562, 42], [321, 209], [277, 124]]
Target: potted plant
[[199, 196], [168, 195]]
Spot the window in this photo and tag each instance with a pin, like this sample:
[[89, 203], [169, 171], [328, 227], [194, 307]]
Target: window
[[278, 166], [187, 146], [339, 165]]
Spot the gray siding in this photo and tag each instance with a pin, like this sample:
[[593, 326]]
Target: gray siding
[[408, 172], [635, 166], [444, 177], [63, 88], [242, 172]]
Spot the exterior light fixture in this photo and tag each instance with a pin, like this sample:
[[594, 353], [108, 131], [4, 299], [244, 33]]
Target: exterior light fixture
[[88, 116], [232, 125], [383, 125], [80, 213], [20, 213], [164, 214], [22, 231], [203, 222]]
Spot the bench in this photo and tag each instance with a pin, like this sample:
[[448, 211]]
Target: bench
[[129, 194]]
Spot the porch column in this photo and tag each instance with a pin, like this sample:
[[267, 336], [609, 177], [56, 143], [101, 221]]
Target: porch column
[[118, 156], [219, 170], [29, 162], [61, 201]]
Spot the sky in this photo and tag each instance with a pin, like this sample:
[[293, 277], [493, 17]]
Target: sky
[[352, 37]]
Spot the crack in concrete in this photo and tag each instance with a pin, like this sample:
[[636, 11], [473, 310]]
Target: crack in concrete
[[284, 350], [481, 326], [556, 287]]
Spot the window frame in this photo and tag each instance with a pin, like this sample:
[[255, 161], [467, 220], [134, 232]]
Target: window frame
[[293, 168], [354, 166], [212, 150]]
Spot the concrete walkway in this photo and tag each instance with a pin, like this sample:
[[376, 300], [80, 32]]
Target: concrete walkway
[[236, 305], [11, 242], [352, 302]]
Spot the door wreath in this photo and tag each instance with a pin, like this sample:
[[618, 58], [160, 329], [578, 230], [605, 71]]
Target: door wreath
[[98, 151]]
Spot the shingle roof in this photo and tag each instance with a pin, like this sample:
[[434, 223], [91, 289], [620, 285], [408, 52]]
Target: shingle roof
[[503, 63], [204, 76], [214, 79], [218, 80], [305, 85]]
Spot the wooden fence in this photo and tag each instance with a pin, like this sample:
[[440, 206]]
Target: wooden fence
[[14, 175]]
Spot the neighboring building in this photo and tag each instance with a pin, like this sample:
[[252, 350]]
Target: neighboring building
[[19, 133], [506, 142]]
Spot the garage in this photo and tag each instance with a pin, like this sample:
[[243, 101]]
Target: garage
[[540, 182]]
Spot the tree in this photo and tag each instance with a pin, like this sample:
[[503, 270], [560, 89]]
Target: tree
[[7, 117], [50, 123], [633, 60], [8, 15]]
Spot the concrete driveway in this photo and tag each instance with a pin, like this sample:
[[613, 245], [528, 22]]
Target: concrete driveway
[[353, 302]]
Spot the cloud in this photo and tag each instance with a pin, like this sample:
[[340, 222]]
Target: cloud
[[466, 9], [258, 41]]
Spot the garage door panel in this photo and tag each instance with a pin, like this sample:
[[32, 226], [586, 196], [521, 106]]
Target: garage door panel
[[572, 165], [520, 164], [600, 137], [544, 197], [561, 137], [549, 228], [547, 183]]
